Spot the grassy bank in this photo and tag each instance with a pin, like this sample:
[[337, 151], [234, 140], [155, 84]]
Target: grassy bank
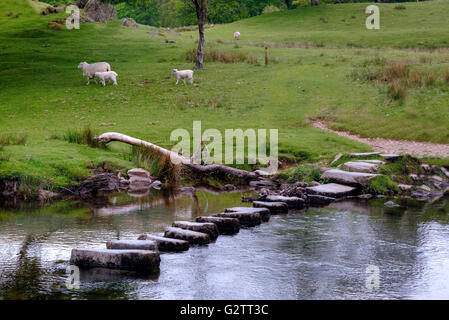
[[44, 96]]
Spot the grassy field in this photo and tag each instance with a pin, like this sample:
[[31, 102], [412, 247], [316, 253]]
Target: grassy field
[[318, 68]]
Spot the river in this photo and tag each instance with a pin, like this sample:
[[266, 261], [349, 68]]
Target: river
[[348, 250]]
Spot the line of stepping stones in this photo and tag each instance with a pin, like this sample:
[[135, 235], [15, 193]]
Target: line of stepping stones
[[143, 254]]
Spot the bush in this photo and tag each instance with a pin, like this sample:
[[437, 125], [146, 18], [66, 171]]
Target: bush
[[270, 9], [12, 139]]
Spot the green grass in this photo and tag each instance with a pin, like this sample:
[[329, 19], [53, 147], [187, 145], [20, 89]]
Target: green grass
[[44, 96]]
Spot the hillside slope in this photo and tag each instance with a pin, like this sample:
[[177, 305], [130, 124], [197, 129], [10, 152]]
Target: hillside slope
[[45, 98]]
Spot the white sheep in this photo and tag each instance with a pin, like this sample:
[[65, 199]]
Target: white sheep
[[103, 76], [183, 74], [236, 35], [90, 69]]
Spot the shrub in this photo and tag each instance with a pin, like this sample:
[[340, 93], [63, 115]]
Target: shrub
[[270, 9]]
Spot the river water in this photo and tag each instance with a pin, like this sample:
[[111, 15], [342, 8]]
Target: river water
[[349, 250]]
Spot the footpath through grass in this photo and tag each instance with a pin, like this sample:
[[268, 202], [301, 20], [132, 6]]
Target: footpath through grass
[[43, 95]]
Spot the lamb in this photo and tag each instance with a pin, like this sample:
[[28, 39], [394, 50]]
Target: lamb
[[183, 74], [90, 69], [103, 76], [236, 35]]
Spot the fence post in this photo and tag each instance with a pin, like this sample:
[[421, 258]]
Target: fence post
[[266, 56]]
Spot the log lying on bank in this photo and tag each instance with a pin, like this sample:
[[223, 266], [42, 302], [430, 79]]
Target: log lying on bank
[[166, 244], [192, 237], [204, 227], [188, 162], [134, 260], [132, 245], [263, 212], [224, 225], [274, 207]]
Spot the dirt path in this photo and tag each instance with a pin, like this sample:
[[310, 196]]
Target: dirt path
[[419, 149]]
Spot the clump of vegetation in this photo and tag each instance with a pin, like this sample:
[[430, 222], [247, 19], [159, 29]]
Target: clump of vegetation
[[397, 90], [382, 185], [402, 168], [400, 7], [445, 76], [12, 139], [270, 9], [85, 136], [159, 165], [300, 173], [56, 25], [223, 57]]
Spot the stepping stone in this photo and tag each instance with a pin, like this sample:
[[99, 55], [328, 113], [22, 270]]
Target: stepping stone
[[264, 212], [262, 184], [192, 237], [132, 245], [390, 156], [246, 219], [210, 228], [292, 202], [337, 157], [332, 190], [373, 161], [274, 207], [405, 187], [445, 171], [366, 154], [224, 225], [350, 178], [359, 167], [134, 260], [319, 200], [166, 244]]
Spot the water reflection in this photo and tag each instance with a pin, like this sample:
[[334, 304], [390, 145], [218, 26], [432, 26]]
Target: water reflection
[[315, 254]]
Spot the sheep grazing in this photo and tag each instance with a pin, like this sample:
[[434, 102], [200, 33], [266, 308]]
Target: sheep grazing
[[236, 35], [90, 69], [183, 74], [103, 76]]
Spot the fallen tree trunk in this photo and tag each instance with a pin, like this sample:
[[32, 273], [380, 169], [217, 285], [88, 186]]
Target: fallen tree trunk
[[114, 136]]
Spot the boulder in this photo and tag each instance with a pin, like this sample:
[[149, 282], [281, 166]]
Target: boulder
[[292, 202], [373, 161], [81, 3], [264, 213], [224, 225], [262, 184], [365, 154], [319, 200], [445, 171], [98, 183], [390, 156], [332, 190], [349, 178], [204, 227], [228, 187], [166, 244], [134, 260], [391, 204], [405, 187], [246, 219], [359, 166], [274, 207], [139, 172], [132, 245], [129, 22], [192, 237], [293, 190], [96, 11]]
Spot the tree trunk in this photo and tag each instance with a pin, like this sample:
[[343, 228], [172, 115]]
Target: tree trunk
[[188, 162], [201, 13]]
